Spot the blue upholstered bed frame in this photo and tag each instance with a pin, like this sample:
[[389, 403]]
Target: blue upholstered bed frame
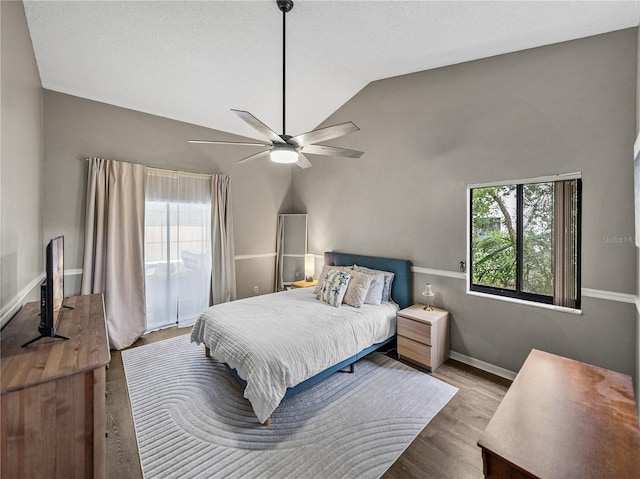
[[401, 289], [402, 286]]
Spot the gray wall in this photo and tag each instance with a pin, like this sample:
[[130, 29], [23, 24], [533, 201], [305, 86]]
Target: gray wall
[[637, 377], [76, 128], [556, 109], [21, 245]]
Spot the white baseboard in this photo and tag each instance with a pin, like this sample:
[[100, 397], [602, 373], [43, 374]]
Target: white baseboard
[[488, 367], [13, 306]]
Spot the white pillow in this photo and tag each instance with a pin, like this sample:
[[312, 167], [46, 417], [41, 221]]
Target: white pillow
[[325, 269], [388, 280], [334, 287], [357, 289], [374, 294]]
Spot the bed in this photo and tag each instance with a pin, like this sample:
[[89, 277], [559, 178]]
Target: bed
[[279, 344]]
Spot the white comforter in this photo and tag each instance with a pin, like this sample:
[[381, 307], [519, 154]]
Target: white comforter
[[276, 341]]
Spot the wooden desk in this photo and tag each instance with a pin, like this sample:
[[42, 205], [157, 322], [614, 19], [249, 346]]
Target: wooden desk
[[563, 419], [53, 394]]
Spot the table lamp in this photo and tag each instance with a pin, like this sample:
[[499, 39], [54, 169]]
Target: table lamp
[[428, 293], [309, 267]]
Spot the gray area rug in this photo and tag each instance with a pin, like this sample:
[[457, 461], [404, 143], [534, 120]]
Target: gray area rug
[[192, 420]]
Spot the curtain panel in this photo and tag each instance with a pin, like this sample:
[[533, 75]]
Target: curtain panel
[[564, 237], [279, 283], [114, 246], [223, 268]]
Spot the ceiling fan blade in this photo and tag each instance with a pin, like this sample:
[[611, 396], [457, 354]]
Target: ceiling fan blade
[[324, 134], [331, 151], [254, 157], [258, 125], [240, 143], [303, 162]]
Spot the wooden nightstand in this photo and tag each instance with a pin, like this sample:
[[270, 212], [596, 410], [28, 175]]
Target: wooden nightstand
[[303, 284], [423, 336]]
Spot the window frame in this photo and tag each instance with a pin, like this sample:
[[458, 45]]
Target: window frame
[[518, 295]]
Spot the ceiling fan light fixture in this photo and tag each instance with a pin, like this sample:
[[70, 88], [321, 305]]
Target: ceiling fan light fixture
[[283, 153]]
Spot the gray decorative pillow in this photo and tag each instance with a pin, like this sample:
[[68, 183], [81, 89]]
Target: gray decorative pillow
[[325, 269], [334, 287], [388, 280], [357, 289], [374, 294]]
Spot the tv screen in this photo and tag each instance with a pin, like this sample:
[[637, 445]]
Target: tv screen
[[57, 275], [52, 291]]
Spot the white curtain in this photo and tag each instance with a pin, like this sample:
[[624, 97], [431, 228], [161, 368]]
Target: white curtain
[[114, 246], [223, 274], [177, 247]]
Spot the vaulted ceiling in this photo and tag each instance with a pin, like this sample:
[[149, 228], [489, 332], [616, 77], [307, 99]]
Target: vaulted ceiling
[[195, 60]]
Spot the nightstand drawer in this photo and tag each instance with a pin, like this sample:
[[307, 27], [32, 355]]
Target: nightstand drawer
[[414, 351], [415, 330]]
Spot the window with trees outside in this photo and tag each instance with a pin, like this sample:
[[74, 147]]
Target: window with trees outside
[[525, 241]]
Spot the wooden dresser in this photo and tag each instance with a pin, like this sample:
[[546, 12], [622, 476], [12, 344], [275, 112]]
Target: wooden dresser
[[423, 336], [53, 394], [563, 419]]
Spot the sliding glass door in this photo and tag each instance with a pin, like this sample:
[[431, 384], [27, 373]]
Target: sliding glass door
[[177, 248]]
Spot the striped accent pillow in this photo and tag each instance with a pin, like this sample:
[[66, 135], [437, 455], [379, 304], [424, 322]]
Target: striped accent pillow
[[334, 287], [325, 269]]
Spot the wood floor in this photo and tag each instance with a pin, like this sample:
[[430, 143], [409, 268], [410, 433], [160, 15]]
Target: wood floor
[[446, 448]]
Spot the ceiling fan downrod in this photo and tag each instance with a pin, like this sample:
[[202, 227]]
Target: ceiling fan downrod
[[284, 6]]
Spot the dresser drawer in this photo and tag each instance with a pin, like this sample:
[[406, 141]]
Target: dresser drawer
[[415, 330], [414, 351]]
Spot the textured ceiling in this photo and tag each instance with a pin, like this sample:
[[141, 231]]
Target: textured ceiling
[[194, 61]]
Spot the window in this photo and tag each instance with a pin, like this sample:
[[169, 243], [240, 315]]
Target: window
[[525, 241]]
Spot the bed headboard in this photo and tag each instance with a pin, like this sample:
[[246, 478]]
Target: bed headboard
[[402, 283]]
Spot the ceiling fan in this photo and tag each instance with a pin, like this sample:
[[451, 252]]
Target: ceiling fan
[[286, 148]]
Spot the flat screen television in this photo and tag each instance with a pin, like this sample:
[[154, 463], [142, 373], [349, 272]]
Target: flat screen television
[[52, 291]]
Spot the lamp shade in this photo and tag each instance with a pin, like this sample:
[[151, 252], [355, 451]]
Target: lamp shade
[[428, 291], [309, 266], [283, 153]]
